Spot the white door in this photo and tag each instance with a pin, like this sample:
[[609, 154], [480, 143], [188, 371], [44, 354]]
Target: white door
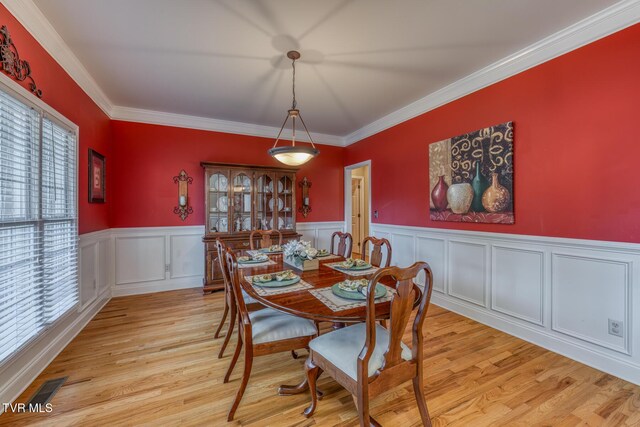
[[356, 213]]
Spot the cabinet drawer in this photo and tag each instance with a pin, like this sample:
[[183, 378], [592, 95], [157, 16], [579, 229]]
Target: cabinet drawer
[[238, 244]]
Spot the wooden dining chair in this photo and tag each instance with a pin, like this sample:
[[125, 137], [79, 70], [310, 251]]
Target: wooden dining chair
[[375, 258], [265, 238], [229, 303], [345, 244], [262, 332], [368, 359]]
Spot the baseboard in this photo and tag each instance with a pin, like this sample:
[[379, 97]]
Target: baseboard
[[156, 286], [34, 364]]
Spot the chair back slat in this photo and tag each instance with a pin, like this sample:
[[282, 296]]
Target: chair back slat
[[345, 244], [376, 256], [266, 240], [221, 249], [235, 287], [401, 308]]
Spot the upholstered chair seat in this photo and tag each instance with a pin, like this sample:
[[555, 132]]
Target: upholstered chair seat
[[268, 325], [342, 347]]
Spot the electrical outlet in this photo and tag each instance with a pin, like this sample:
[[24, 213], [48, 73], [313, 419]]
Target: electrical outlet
[[375, 214], [616, 327]]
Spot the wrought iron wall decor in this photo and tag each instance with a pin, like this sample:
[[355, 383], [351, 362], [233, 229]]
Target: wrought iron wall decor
[[17, 68], [183, 209], [305, 206]]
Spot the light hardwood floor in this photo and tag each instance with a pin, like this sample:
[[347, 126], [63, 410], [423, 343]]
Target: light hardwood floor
[[151, 359]]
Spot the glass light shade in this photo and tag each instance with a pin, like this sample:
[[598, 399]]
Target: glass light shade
[[294, 155]]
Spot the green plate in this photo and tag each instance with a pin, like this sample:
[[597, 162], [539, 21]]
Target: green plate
[[380, 292], [276, 284], [253, 261], [323, 255], [354, 268]]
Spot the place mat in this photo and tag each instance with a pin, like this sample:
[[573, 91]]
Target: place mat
[[301, 285], [336, 303], [253, 252], [260, 264], [353, 272]]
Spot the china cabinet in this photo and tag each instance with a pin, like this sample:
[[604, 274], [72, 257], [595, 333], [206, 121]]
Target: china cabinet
[[240, 199]]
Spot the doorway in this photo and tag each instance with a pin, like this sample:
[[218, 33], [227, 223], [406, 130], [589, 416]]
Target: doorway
[[357, 204]]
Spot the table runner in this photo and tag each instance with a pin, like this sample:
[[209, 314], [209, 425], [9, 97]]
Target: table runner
[[260, 264], [262, 291], [336, 303], [353, 272], [328, 257]]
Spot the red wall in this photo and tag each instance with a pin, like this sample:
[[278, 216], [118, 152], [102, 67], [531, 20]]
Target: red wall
[[576, 149], [148, 156], [64, 95]]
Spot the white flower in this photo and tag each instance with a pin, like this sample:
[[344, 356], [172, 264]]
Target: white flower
[[299, 249]]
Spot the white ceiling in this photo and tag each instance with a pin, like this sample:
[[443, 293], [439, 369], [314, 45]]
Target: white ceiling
[[361, 59]]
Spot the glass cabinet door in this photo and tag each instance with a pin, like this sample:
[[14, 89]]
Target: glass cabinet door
[[286, 208], [242, 208], [264, 200], [218, 203]]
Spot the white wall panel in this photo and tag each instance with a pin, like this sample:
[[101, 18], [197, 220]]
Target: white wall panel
[[139, 259], [467, 271], [102, 273], [402, 250], [586, 292], [319, 233], [517, 285], [432, 251], [88, 279], [186, 255]]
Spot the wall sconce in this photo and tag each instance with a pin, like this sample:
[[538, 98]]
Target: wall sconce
[[183, 209], [305, 207]]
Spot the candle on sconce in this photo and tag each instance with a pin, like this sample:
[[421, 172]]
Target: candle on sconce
[[183, 201], [306, 201]]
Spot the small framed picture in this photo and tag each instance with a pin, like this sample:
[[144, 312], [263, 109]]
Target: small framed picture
[[96, 177]]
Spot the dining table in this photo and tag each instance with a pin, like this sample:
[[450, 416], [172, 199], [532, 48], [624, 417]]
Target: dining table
[[312, 298]]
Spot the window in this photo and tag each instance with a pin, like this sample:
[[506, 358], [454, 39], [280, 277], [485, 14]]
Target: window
[[38, 223]]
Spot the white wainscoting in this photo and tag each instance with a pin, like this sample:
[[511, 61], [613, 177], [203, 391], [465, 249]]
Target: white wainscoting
[[155, 259], [319, 233], [557, 293]]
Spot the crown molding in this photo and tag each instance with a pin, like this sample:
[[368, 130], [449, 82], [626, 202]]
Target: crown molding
[[204, 123], [614, 18], [31, 18]]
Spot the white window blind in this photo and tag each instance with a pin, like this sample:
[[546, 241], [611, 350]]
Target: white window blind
[[38, 223]]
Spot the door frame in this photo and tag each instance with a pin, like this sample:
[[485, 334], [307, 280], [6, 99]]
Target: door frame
[[347, 194]]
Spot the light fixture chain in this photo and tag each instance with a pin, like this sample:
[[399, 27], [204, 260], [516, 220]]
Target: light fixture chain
[[294, 103]]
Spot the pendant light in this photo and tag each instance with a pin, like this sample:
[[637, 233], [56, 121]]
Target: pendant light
[[293, 155]]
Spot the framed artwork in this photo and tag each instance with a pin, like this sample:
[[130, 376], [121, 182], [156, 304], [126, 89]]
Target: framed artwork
[[96, 177], [471, 177]]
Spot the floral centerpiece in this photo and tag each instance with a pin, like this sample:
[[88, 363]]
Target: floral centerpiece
[[300, 254]]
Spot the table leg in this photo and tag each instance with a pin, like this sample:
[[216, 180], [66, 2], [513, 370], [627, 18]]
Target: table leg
[[289, 390]]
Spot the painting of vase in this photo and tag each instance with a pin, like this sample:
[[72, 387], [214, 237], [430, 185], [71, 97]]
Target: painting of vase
[[475, 171]]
